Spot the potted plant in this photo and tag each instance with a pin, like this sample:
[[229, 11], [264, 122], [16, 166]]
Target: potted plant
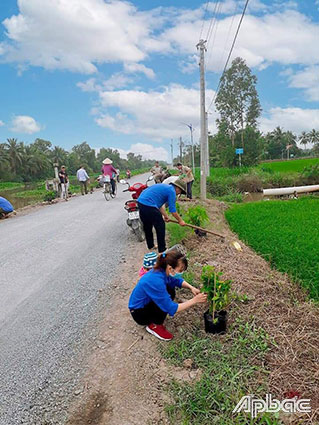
[[197, 216], [215, 317]]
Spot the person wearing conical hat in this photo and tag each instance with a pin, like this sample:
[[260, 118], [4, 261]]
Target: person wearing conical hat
[[109, 170], [151, 204]]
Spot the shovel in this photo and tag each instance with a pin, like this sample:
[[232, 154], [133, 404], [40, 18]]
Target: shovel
[[199, 228]]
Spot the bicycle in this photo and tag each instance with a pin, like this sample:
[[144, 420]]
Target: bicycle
[[107, 188]]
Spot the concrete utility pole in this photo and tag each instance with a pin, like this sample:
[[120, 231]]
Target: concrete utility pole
[[203, 127], [191, 128], [181, 144], [172, 152]]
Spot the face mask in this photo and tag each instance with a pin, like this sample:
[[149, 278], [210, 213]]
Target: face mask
[[178, 275]]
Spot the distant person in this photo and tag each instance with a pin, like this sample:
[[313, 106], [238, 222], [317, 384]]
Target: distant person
[[64, 182], [157, 172], [187, 176], [5, 207], [109, 170], [83, 178], [151, 204]]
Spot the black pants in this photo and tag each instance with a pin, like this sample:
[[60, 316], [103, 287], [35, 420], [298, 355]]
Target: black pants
[[152, 217], [151, 313], [189, 190], [113, 185]]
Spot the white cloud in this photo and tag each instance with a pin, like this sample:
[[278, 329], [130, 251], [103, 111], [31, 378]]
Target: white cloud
[[155, 114], [1, 123], [76, 34], [146, 150], [137, 67], [307, 79], [287, 37], [25, 124], [293, 119]]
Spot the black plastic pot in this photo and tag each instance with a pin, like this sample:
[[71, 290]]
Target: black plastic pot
[[200, 233], [215, 328]]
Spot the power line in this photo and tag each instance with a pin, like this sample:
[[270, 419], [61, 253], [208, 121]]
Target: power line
[[230, 52], [205, 13]]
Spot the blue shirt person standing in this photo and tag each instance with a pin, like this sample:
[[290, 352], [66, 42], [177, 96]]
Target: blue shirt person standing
[[151, 204], [5, 207]]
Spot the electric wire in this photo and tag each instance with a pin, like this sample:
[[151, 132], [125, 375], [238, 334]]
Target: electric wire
[[205, 13], [230, 53]]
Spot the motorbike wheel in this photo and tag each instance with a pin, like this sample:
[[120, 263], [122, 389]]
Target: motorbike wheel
[[139, 233]]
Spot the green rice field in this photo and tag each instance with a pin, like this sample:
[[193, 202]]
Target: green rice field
[[291, 166], [285, 233]]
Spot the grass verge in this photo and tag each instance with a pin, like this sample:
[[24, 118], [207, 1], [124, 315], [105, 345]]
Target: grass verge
[[231, 367]]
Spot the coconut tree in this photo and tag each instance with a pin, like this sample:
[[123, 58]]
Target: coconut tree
[[313, 136], [15, 153], [59, 155], [304, 138]]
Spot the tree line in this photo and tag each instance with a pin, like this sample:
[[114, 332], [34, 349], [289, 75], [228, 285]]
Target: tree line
[[35, 161], [239, 108]]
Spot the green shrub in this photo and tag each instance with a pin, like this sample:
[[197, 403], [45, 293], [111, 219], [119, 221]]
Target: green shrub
[[236, 197], [49, 196], [249, 183], [197, 216], [216, 289], [310, 175]]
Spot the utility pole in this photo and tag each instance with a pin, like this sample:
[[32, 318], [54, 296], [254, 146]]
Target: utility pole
[[207, 147], [191, 128], [172, 152], [203, 128], [181, 144]]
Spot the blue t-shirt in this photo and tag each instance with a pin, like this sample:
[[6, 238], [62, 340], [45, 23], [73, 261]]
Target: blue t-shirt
[[5, 205], [153, 287], [158, 195]]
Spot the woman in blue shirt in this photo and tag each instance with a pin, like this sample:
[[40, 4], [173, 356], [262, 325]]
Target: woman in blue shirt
[[151, 204], [5, 207], [152, 297]]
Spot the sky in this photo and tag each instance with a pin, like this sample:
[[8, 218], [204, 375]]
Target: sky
[[124, 74]]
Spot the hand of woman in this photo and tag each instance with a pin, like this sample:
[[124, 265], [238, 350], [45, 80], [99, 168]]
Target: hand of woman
[[200, 298], [195, 291]]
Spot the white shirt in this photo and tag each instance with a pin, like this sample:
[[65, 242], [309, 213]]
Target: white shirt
[[81, 175]]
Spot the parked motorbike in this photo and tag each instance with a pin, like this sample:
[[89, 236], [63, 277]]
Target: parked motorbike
[[131, 206]]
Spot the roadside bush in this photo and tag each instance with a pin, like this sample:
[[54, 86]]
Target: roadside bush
[[310, 175], [249, 183], [49, 196], [236, 197], [197, 216]]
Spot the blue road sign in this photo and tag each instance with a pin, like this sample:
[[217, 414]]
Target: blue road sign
[[239, 151]]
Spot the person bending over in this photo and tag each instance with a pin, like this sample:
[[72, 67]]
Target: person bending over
[[152, 298], [151, 204]]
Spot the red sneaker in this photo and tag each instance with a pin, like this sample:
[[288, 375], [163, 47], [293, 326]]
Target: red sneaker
[[159, 331]]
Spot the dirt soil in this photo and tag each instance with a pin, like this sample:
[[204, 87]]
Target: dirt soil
[[127, 376]]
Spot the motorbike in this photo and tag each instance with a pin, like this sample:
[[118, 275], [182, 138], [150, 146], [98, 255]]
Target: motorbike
[[131, 206]]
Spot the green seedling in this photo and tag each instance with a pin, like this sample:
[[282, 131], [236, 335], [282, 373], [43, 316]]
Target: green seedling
[[217, 290]]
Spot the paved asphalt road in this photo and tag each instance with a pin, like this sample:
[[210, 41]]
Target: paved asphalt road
[[53, 262]]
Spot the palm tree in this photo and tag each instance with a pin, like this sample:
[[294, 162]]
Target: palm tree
[[313, 136], [59, 155], [4, 161], [304, 138], [14, 152]]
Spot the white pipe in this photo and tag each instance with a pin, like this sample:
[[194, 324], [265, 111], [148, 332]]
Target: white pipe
[[291, 190]]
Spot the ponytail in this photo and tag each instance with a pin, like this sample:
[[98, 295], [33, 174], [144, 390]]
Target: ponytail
[[168, 259]]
